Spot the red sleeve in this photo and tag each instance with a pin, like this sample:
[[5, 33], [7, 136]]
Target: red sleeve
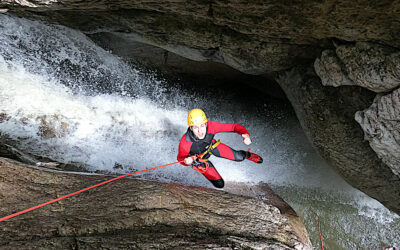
[[218, 127], [184, 149]]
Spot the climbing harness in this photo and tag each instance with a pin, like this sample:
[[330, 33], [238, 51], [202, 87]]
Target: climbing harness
[[82, 190], [210, 148], [200, 164]]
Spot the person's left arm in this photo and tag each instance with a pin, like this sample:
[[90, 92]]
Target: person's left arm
[[218, 127]]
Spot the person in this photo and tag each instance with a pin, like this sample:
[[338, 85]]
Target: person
[[198, 144]]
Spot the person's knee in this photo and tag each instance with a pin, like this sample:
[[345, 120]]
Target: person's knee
[[240, 155], [218, 183]]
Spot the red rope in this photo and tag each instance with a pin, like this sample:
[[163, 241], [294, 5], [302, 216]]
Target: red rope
[[80, 191], [319, 230], [320, 236]]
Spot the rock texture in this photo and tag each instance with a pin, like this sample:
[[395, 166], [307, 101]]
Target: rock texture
[[254, 37], [199, 39], [381, 125], [377, 68], [368, 65], [136, 214], [301, 21], [327, 116]]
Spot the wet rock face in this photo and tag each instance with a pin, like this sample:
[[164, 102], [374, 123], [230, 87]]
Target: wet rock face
[[135, 214], [196, 39], [300, 22], [368, 65], [327, 116], [377, 68], [381, 125], [255, 38]]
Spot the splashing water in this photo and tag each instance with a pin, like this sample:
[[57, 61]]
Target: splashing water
[[65, 98]]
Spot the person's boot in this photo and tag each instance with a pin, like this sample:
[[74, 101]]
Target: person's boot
[[254, 157]]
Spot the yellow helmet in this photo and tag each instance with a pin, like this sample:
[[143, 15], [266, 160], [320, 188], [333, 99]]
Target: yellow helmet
[[196, 117]]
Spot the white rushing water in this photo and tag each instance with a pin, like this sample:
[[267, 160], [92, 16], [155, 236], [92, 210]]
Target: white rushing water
[[63, 97]]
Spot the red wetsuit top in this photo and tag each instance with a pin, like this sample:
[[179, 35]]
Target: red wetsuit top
[[190, 145]]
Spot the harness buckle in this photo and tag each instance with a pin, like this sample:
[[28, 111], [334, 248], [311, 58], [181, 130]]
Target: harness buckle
[[201, 165]]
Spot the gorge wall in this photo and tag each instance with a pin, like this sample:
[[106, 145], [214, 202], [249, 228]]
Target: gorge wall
[[144, 214]]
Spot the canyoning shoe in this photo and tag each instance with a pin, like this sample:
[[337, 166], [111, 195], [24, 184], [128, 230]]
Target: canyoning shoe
[[254, 157]]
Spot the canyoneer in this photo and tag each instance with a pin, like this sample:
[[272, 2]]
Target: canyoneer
[[198, 144]]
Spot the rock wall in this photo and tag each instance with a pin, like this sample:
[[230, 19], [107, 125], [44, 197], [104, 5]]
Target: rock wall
[[327, 116], [138, 214], [368, 65], [377, 68], [381, 125]]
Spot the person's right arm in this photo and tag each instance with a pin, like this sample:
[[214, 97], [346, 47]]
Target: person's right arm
[[183, 154]]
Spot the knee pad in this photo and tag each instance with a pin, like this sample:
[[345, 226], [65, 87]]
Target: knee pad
[[240, 155], [218, 183]]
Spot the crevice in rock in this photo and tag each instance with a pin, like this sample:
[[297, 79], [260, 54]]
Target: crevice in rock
[[210, 11]]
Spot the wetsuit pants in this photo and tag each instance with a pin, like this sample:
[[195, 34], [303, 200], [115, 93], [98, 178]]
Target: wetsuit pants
[[222, 151]]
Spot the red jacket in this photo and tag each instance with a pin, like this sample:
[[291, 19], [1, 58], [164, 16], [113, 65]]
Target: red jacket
[[190, 145]]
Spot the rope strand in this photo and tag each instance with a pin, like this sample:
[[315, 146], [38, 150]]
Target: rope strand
[[80, 191], [319, 230]]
